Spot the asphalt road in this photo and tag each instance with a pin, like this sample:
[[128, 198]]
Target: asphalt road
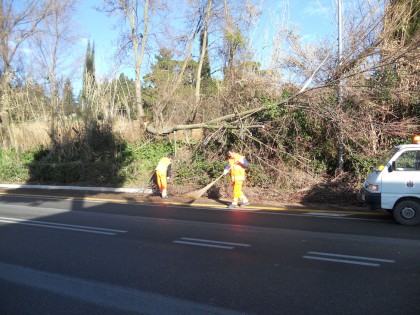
[[81, 256]]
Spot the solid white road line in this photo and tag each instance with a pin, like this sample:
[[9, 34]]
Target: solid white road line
[[128, 300], [327, 214]]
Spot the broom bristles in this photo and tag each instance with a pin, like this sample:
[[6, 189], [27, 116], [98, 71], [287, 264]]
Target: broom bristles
[[198, 193]]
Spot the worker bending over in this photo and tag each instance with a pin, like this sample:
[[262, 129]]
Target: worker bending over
[[163, 174]]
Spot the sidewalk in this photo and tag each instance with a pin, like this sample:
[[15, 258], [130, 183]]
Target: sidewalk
[[131, 195]]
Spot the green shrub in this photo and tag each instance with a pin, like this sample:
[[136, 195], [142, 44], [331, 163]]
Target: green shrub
[[360, 165], [12, 166]]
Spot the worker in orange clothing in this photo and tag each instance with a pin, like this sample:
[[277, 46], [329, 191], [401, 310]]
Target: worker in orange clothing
[[163, 174], [237, 165]]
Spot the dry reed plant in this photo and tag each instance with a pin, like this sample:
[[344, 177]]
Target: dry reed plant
[[31, 134]]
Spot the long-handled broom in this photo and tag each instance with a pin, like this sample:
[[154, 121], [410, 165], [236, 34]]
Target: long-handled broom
[[146, 187], [198, 193]]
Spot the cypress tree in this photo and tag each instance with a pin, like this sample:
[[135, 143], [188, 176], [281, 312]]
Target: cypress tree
[[88, 75]]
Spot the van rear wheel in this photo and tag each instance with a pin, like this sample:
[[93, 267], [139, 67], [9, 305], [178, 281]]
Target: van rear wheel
[[407, 212]]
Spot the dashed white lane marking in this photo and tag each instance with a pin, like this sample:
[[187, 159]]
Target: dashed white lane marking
[[61, 226], [348, 259], [208, 243]]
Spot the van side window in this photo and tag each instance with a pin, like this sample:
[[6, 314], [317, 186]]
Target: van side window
[[408, 161], [418, 161]]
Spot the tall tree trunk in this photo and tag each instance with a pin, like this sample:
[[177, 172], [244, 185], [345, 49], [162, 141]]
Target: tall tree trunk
[[139, 55], [201, 61]]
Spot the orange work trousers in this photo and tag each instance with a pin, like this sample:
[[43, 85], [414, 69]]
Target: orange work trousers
[[161, 180]]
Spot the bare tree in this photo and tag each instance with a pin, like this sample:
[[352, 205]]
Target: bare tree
[[210, 17], [137, 14], [173, 102], [49, 47], [18, 22], [200, 20]]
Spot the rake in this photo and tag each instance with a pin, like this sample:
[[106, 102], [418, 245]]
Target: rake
[[198, 193]]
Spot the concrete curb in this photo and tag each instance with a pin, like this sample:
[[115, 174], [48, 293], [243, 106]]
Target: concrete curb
[[85, 188]]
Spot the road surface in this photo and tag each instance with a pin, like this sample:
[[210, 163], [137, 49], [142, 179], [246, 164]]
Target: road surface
[[74, 256]]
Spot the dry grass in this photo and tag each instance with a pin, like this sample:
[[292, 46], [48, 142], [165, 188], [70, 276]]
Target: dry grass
[[33, 134], [30, 135]]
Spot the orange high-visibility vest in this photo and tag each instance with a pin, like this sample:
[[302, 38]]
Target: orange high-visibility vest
[[237, 171], [163, 164]]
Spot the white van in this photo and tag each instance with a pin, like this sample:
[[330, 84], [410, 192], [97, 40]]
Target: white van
[[394, 183]]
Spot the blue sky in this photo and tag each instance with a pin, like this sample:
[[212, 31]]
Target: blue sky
[[97, 28], [313, 18]]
